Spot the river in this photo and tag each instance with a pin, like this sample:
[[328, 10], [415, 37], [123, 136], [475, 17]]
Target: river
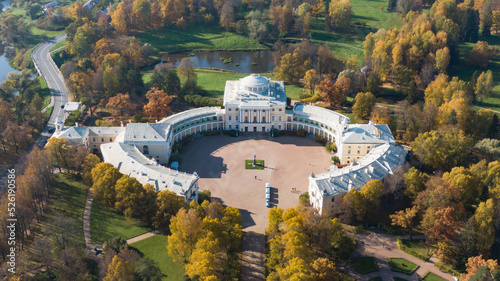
[[245, 61], [6, 53]]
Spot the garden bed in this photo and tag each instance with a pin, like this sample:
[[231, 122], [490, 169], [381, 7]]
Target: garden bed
[[402, 265], [259, 164]]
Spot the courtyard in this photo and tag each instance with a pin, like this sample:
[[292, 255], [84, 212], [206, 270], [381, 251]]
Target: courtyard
[[220, 164]]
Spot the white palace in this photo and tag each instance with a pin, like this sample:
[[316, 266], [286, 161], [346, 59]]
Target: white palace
[[251, 104]]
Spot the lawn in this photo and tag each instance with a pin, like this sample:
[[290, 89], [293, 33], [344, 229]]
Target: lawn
[[402, 265], [419, 247], [464, 71], [259, 165], [67, 199], [44, 91], [58, 45], [214, 82], [429, 276], [365, 265], [106, 223], [198, 38], [399, 279], [155, 247]]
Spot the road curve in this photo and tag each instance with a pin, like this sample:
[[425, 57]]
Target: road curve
[[46, 68]]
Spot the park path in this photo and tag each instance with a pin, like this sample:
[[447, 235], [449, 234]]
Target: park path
[[382, 246], [90, 249], [142, 236]]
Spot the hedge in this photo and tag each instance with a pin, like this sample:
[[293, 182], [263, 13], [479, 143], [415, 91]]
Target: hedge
[[407, 250]]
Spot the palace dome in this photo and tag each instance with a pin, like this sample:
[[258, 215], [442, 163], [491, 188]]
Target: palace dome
[[254, 83]]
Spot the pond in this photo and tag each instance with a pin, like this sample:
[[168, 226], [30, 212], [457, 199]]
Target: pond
[[6, 54], [6, 4], [246, 62]]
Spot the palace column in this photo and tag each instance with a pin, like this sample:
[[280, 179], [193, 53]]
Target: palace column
[[258, 116], [241, 116]]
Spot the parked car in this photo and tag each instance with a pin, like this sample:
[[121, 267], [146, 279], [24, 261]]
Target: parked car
[[268, 204]]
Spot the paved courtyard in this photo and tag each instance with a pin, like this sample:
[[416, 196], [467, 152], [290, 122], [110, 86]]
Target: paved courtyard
[[288, 161]]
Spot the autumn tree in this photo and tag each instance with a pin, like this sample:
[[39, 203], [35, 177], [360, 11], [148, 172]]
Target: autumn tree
[[167, 205], [61, 151], [363, 104], [130, 194], [311, 80], [480, 55], [13, 29], [381, 115], [485, 220], [292, 68], [442, 59], [480, 269], [89, 163], [185, 227], [414, 181], [467, 182], [340, 14], [405, 219], [18, 136], [326, 60], [323, 269], [119, 18], [104, 177], [158, 103], [443, 149], [484, 85], [121, 103], [120, 270]]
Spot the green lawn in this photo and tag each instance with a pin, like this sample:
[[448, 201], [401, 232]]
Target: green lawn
[[106, 223], [47, 113], [198, 38], [464, 71], [402, 265], [259, 165], [419, 247], [67, 199], [155, 247], [365, 265], [429, 276], [58, 45], [44, 91]]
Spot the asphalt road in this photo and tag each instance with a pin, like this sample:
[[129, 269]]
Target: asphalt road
[[45, 67]]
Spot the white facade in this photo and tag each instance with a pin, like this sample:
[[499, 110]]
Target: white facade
[[251, 104]]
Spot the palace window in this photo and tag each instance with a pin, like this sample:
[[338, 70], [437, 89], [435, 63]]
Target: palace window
[[279, 126], [230, 127], [145, 149], [279, 118], [272, 118], [237, 117], [229, 117]]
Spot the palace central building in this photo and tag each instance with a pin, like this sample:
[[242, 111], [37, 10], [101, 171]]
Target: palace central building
[[252, 104]]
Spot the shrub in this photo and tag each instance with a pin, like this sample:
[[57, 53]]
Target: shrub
[[116, 243], [447, 269], [175, 157], [210, 133], [358, 229], [204, 195], [330, 146], [335, 159], [318, 138], [231, 133], [301, 132], [304, 199], [410, 251]]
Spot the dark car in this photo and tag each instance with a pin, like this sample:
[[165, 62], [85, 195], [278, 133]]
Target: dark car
[[62, 106], [51, 130]]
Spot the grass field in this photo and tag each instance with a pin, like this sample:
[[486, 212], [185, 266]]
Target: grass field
[[464, 71], [155, 247], [58, 45], [198, 38], [259, 165], [67, 199], [106, 223], [402, 265], [429, 276], [365, 265], [44, 91], [418, 246]]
